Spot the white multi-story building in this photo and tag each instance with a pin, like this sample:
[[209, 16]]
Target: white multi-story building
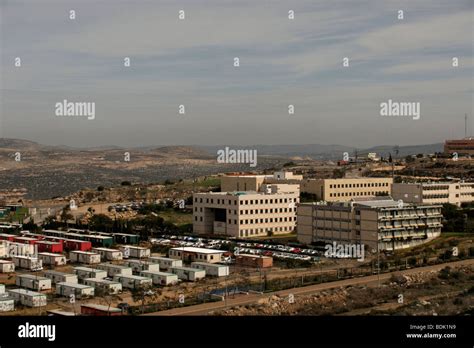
[[434, 192]]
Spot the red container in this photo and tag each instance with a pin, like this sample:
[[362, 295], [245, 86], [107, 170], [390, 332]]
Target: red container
[[81, 245], [9, 237], [49, 247], [25, 240]]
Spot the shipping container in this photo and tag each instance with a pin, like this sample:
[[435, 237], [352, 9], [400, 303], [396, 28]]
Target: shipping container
[[160, 278], [74, 244], [112, 269], [86, 272], [33, 282], [28, 298], [7, 266], [109, 254], [29, 263], [140, 265], [7, 304], [187, 273], [123, 238], [78, 290], [134, 251], [99, 241], [84, 257], [133, 282], [52, 259], [212, 269], [103, 286], [165, 262], [61, 277], [45, 246]]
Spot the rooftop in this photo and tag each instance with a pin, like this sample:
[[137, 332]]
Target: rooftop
[[198, 250]]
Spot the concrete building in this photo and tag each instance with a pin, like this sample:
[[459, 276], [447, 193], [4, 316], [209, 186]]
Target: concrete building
[[434, 192], [341, 190], [382, 223], [191, 254], [272, 210], [461, 146], [251, 182]]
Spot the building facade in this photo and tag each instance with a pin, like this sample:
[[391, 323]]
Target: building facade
[[434, 193], [272, 210], [340, 190], [384, 224], [460, 146], [252, 182]]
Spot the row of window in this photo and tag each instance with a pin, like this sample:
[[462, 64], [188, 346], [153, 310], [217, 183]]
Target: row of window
[[355, 194], [247, 201], [372, 184], [264, 221], [258, 231], [266, 211]]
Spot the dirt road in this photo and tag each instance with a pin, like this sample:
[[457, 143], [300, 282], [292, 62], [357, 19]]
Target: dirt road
[[205, 308]]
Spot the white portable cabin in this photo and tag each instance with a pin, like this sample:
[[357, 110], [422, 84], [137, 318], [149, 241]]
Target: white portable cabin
[[109, 254], [7, 266], [27, 262], [28, 298], [2, 289], [20, 249], [160, 278], [79, 290], [187, 273], [4, 249], [86, 272], [52, 259], [134, 251], [33, 282], [107, 286], [165, 262], [60, 277], [86, 257], [7, 303], [132, 282], [139, 265], [212, 269], [112, 269]]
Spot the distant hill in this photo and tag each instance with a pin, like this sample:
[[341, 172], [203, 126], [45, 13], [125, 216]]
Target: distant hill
[[318, 151]]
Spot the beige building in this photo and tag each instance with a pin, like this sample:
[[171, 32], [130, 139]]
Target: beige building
[[192, 254], [388, 223], [271, 210], [340, 190], [251, 182], [434, 193]]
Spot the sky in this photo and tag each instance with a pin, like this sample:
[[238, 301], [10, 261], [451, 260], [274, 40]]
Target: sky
[[190, 62]]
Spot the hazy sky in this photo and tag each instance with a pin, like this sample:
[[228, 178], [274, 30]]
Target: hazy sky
[[282, 62]]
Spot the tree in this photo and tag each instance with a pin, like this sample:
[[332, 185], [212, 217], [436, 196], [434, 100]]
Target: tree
[[100, 188], [146, 294], [107, 295], [125, 183]]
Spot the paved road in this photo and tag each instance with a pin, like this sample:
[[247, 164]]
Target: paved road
[[239, 300]]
